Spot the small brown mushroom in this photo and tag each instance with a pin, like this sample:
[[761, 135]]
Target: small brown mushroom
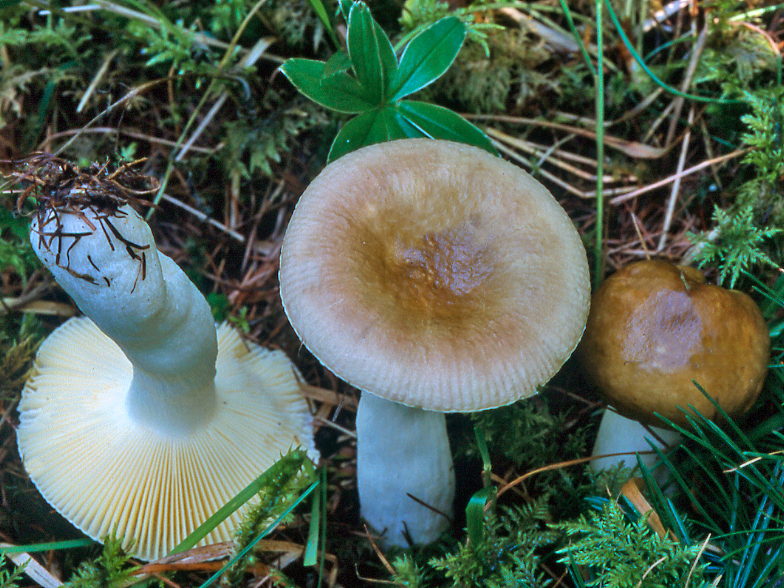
[[656, 328]]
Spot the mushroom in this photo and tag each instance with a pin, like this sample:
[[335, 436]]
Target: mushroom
[[434, 277], [656, 328], [143, 420]]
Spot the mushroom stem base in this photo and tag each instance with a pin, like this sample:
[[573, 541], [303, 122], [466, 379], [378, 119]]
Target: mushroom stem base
[[617, 434], [403, 452]]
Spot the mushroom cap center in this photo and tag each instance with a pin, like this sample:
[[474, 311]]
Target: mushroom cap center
[[427, 276], [450, 264]]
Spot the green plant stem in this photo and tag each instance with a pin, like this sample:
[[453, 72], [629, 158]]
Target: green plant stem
[[598, 76], [647, 70], [599, 237], [577, 36]]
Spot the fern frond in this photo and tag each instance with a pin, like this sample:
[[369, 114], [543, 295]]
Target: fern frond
[[109, 570], [735, 244], [8, 578], [508, 555], [627, 554]]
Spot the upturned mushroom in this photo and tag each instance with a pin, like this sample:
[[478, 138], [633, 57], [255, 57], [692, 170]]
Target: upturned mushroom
[[143, 420], [434, 277], [653, 331]]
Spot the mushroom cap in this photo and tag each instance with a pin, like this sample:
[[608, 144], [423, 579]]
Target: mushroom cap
[[434, 274], [654, 327], [108, 475]]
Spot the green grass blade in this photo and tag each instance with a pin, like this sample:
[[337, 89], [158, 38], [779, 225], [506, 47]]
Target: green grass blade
[[50, 546], [291, 461], [669, 89], [311, 548], [751, 550], [577, 36], [475, 515], [263, 534], [321, 12], [598, 252]]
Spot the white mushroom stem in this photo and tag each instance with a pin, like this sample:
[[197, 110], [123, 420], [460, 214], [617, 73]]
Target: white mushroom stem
[[618, 434], [110, 266], [405, 474]]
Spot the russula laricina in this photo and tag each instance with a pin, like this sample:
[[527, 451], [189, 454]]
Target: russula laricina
[[435, 277], [143, 420], [656, 328]]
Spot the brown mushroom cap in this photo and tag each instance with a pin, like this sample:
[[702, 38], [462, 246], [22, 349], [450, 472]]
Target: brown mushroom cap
[[434, 274], [654, 327]]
